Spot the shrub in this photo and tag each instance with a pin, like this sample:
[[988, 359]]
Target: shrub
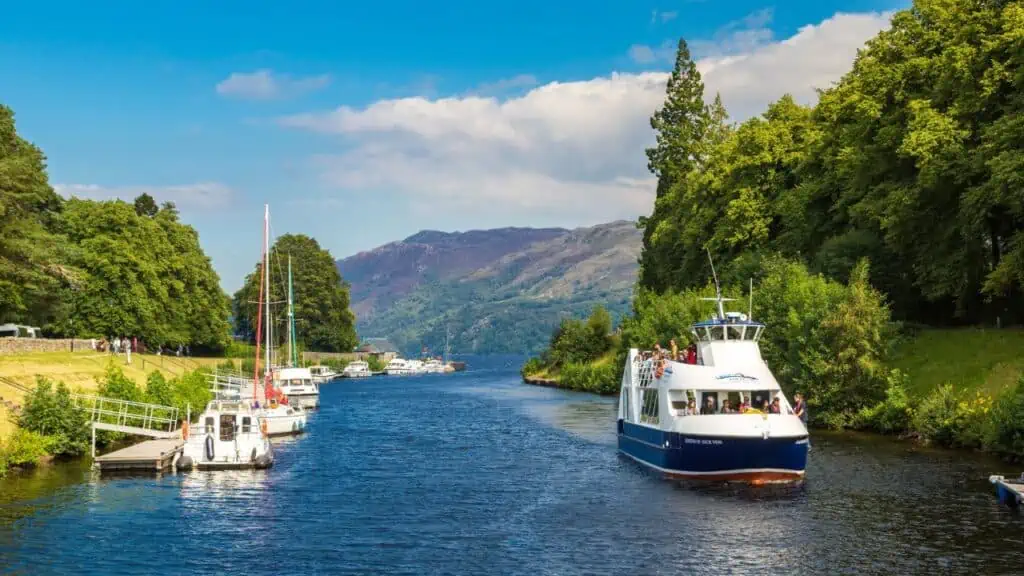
[[1007, 434], [52, 413], [893, 415], [599, 378], [24, 449], [532, 366]]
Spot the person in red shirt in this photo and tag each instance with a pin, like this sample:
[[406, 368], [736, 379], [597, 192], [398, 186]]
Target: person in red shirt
[[691, 354]]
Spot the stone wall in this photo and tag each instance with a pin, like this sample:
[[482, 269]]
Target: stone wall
[[316, 357], [10, 345]]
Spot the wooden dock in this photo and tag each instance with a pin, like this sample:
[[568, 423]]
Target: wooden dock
[[148, 456], [1009, 490]]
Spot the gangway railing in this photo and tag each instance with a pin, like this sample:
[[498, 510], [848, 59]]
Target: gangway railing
[[128, 417]]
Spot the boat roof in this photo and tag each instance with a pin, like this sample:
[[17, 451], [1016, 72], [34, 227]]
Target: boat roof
[[726, 322], [293, 373]]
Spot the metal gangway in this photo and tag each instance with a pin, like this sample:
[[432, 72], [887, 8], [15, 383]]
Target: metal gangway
[[125, 416]]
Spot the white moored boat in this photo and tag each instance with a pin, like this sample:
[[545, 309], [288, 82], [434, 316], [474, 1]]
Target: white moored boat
[[228, 435], [298, 386], [322, 374], [356, 369], [746, 445], [282, 419], [398, 367], [434, 366]]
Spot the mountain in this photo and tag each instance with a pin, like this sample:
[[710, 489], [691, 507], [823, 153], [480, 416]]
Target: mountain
[[498, 291]]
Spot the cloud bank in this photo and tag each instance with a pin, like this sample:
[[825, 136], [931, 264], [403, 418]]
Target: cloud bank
[[267, 85], [574, 149]]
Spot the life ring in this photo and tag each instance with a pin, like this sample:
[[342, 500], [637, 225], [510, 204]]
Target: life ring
[[263, 427], [184, 430], [660, 370]]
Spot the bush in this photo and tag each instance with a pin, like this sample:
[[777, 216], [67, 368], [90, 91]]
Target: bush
[[24, 449], [949, 417], [532, 366], [893, 415], [1007, 434], [602, 378], [52, 413]]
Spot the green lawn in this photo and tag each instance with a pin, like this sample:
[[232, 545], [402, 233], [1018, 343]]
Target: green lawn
[[968, 358]]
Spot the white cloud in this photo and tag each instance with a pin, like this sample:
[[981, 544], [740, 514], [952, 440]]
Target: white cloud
[[267, 85], [505, 84], [198, 196], [663, 16], [568, 148]]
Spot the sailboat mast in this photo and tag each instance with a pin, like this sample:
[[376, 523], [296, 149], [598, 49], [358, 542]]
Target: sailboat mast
[[259, 315], [291, 319], [266, 275]]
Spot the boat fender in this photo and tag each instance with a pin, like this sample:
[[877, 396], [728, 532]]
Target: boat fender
[[264, 461], [209, 448], [184, 430], [252, 457], [185, 462], [263, 428]]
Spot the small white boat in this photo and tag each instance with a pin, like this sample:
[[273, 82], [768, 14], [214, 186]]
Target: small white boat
[[356, 369], [398, 367], [434, 366], [322, 374], [415, 366], [282, 419], [229, 435], [298, 386]]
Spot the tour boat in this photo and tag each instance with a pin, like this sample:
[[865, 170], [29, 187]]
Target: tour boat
[[298, 386], [751, 447], [229, 435], [398, 367], [322, 374], [356, 369]]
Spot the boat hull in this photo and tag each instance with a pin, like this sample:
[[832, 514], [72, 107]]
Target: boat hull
[[752, 460], [285, 425], [306, 401]]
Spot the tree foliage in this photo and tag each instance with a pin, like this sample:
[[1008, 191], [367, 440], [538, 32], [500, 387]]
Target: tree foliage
[[914, 160], [323, 321], [98, 269]]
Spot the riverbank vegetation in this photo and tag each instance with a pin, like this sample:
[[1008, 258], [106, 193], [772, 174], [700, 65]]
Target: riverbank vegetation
[[891, 205], [51, 425]]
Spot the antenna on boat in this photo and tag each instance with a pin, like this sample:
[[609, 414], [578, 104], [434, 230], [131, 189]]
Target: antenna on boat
[[718, 289], [750, 305]]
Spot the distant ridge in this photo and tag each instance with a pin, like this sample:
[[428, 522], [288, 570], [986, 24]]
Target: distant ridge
[[501, 290]]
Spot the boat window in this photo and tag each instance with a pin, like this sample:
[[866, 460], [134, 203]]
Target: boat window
[[649, 410], [757, 335], [759, 397], [734, 332], [702, 333], [246, 424], [717, 332], [209, 425], [749, 332], [227, 427]]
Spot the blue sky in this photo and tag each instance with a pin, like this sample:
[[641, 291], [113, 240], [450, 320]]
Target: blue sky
[[361, 124]]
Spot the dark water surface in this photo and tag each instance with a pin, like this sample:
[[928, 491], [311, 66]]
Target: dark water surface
[[476, 473]]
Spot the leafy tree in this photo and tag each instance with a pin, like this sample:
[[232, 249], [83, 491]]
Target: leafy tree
[[30, 272], [145, 205], [323, 321]]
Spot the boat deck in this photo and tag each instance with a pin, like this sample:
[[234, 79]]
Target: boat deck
[[149, 456]]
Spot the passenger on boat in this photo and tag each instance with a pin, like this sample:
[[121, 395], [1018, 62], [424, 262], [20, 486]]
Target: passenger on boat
[[727, 407], [800, 409], [774, 408], [675, 350], [745, 404], [709, 406], [691, 354], [691, 408]]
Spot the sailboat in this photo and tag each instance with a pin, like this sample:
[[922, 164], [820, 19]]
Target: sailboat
[[295, 382], [276, 415]]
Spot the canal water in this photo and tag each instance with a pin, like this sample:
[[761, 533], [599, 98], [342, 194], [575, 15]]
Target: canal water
[[476, 473]]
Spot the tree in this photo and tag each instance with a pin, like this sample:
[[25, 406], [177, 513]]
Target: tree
[[145, 205], [323, 320], [30, 270], [680, 126]]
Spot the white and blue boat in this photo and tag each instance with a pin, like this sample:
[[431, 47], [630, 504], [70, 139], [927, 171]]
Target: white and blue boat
[[1010, 491], [749, 446]]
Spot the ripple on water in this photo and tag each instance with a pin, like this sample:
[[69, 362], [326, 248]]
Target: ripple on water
[[479, 474]]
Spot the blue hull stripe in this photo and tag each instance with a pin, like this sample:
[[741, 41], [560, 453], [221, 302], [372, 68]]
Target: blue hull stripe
[[673, 452]]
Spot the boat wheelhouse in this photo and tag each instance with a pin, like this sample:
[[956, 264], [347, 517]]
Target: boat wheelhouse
[[298, 387], [322, 374], [398, 367], [357, 369], [673, 416], [229, 435]]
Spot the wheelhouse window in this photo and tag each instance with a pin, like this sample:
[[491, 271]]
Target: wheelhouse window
[[227, 427], [649, 409], [717, 332], [734, 332], [246, 424], [209, 425]]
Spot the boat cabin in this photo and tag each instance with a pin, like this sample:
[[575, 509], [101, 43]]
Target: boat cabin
[[226, 419]]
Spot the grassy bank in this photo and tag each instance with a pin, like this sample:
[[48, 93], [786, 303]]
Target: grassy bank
[[968, 359], [600, 376]]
